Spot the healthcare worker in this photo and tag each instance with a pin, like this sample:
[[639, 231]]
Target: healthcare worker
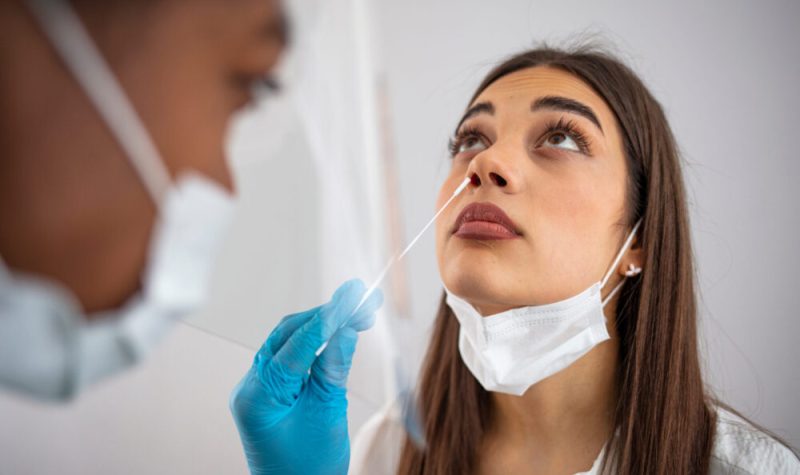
[[114, 196]]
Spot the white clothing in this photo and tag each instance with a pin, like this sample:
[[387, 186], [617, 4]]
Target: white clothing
[[739, 448]]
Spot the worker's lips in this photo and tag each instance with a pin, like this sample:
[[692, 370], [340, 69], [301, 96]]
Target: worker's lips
[[484, 221]]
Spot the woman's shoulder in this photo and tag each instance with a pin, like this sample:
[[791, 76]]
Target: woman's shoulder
[[742, 449], [377, 446], [739, 447]]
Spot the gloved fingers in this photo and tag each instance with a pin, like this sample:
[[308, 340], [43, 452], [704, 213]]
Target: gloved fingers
[[285, 328], [333, 365], [299, 351], [364, 317]]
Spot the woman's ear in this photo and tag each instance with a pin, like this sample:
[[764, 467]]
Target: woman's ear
[[632, 263]]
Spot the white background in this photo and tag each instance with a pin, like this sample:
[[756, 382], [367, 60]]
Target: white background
[[727, 74]]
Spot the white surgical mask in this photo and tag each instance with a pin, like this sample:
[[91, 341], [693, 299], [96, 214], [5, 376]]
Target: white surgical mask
[[48, 347], [511, 351]]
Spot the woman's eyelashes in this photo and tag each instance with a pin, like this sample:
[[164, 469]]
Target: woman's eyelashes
[[467, 139], [566, 135], [563, 134]]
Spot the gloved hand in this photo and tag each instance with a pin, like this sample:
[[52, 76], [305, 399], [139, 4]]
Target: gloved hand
[[291, 406]]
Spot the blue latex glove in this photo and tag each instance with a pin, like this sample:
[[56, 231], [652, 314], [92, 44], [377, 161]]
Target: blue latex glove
[[291, 406]]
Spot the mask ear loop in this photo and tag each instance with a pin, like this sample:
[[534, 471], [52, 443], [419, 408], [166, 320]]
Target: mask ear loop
[[620, 254], [76, 49]]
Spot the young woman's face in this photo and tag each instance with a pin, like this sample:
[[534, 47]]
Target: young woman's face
[[544, 150]]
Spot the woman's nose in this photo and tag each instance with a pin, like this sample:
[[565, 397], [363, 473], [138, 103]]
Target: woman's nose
[[496, 180], [489, 170]]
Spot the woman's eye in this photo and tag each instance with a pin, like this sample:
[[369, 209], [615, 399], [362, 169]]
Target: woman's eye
[[470, 144], [562, 140]]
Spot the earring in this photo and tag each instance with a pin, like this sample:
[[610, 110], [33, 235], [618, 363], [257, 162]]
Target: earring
[[633, 270]]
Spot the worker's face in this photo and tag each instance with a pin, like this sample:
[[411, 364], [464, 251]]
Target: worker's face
[[558, 176], [71, 206], [188, 67]]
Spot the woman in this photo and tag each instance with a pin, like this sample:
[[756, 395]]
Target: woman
[[566, 341]]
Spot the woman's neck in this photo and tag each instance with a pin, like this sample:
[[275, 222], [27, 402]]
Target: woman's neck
[[560, 424]]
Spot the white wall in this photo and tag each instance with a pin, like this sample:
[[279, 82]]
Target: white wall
[[726, 73]]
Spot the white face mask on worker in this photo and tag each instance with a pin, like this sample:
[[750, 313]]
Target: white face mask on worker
[[48, 347], [511, 351]]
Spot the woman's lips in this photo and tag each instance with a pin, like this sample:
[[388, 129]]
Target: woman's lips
[[484, 221]]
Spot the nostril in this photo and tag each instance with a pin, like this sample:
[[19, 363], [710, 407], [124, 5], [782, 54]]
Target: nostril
[[498, 180], [475, 180]]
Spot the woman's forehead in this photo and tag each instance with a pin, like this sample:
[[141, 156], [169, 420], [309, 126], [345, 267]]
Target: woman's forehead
[[522, 88]]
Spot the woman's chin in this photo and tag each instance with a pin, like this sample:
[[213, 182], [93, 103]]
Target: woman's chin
[[478, 289]]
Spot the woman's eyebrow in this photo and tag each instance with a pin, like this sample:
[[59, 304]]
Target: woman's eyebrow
[[479, 108], [567, 105]]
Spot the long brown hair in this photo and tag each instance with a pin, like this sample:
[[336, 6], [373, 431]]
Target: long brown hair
[[663, 415]]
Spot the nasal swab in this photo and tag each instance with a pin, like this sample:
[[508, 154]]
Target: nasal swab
[[397, 257], [411, 416], [460, 188]]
